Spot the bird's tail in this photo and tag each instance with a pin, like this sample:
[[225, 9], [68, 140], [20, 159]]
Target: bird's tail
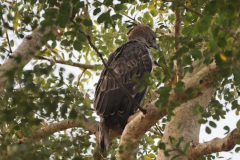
[[103, 136]]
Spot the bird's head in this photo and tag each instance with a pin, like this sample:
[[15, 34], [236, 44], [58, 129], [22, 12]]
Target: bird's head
[[144, 33]]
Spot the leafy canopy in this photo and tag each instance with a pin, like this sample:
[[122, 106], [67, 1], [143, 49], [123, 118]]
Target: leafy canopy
[[50, 92]]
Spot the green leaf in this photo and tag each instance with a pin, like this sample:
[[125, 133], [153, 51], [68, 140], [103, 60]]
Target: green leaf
[[164, 92], [208, 130], [213, 45], [227, 129], [81, 37], [79, 4], [77, 45], [183, 49], [26, 19], [96, 11], [144, 1], [204, 24], [50, 13], [78, 20], [238, 124], [54, 44], [65, 42], [103, 17], [236, 77], [212, 124], [63, 110], [235, 104], [191, 44], [63, 20], [118, 7], [237, 149], [73, 114], [187, 60], [47, 22], [179, 87], [87, 22], [33, 2], [11, 43], [146, 15], [196, 53], [161, 146], [65, 8], [215, 31], [222, 42], [211, 8], [108, 2], [202, 121], [116, 16]]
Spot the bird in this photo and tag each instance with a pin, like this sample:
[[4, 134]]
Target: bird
[[129, 62]]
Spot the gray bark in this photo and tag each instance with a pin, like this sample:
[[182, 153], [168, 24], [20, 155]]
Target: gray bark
[[22, 55], [184, 124]]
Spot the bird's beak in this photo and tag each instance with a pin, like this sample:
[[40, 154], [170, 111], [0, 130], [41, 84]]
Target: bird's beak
[[155, 46]]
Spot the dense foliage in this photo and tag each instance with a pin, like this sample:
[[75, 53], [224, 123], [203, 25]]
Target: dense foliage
[[48, 92]]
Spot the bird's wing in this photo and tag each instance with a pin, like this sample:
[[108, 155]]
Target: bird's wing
[[129, 60]]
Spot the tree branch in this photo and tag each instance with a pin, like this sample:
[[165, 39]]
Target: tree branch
[[136, 129], [189, 130], [74, 64], [140, 124], [177, 33], [202, 77], [22, 55], [216, 145], [91, 126], [177, 26]]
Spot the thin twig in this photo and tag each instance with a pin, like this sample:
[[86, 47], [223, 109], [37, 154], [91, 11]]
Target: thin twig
[[80, 76], [159, 130], [186, 7], [133, 19], [190, 9], [124, 90], [10, 49], [84, 66], [156, 132], [56, 53]]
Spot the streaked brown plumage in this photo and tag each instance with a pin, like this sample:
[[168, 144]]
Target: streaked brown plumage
[[131, 59]]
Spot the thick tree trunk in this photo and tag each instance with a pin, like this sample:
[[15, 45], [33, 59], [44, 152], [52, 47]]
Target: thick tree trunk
[[183, 129]]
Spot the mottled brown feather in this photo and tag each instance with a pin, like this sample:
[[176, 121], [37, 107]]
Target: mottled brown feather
[[129, 61], [133, 60]]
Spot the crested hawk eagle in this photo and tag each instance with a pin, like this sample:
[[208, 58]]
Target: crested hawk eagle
[[131, 59]]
